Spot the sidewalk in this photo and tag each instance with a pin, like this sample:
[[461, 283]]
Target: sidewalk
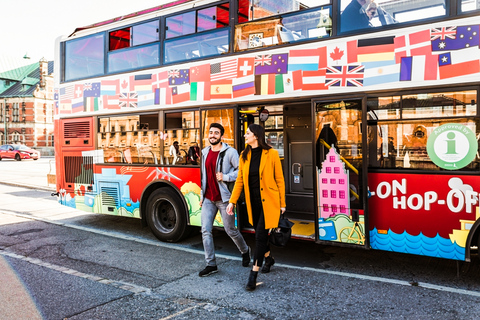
[[28, 173]]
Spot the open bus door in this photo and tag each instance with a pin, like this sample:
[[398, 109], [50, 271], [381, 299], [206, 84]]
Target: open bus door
[[341, 185]]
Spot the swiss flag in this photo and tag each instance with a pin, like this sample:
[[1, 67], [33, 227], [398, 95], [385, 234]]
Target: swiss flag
[[245, 67]]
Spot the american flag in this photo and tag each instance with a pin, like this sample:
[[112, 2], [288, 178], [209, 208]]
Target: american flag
[[224, 70], [443, 33], [67, 93], [263, 60], [128, 100], [344, 76]]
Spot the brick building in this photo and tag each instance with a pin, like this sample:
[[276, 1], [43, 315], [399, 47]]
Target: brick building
[[27, 103]]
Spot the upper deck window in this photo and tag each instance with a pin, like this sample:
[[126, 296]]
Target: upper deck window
[[365, 14], [140, 44], [212, 39], [469, 5], [133, 36], [197, 21], [268, 23], [249, 10], [84, 57]]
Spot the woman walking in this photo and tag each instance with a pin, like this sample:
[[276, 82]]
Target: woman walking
[[260, 175]]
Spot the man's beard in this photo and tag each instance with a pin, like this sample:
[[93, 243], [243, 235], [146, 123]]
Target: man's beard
[[215, 141]]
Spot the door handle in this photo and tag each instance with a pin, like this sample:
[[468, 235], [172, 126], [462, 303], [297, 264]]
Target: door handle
[[297, 168]]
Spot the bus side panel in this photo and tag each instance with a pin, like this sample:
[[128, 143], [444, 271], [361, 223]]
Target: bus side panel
[[422, 214], [117, 190]]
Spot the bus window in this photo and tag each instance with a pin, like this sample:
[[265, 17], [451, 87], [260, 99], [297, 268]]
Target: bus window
[[286, 28], [397, 136], [84, 57], [130, 139], [213, 38], [364, 14], [226, 118], [180, 25], [203, 45], [213, 17], [129, 57], [133, 58], [257, 9], [469, 5], [182, 137]]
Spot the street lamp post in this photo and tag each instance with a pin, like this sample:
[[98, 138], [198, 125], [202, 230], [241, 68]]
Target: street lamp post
[[5, 122]]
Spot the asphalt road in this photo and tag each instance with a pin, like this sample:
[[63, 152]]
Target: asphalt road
[[59, 263]]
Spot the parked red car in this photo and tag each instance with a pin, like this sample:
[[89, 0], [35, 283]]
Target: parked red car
[[18, 152]]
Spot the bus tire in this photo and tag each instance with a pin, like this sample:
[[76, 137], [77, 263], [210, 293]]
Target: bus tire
[[166, 215]]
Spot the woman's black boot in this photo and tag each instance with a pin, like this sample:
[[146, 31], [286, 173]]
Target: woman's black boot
[[252, 281], [269, 262]]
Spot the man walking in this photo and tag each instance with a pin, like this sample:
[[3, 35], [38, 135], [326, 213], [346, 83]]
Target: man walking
[[219, 165]]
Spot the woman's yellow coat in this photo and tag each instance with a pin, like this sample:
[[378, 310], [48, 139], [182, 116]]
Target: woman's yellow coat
[[272, 186]]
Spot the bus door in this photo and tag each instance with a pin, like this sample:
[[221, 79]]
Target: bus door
[[338, 165], [297, 166]]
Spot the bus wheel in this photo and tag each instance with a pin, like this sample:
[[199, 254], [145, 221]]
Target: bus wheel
[[166, 215]]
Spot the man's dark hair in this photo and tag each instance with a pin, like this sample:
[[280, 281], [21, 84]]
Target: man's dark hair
[[218, 126]]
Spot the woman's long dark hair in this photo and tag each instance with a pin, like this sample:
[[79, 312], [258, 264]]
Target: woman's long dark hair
[[259, 132]]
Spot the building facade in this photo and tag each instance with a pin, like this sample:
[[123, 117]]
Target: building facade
[[27, 104]]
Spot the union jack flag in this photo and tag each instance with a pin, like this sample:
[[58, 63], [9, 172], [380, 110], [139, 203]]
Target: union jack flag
[[128, 100], [344, 76], [263, 60], [443, 33]]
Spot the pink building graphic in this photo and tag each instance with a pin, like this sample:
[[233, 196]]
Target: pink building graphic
[[333, 187]]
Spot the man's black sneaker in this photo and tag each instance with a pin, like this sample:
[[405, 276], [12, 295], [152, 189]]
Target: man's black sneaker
[[208, 271], [246, 258]]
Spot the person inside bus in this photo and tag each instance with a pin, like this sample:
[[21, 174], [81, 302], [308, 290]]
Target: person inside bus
[[174, 152], [194, 154], [261, 177], [354, 17], [219, 166]]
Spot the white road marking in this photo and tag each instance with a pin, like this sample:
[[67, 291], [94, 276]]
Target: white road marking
[[424, 285]]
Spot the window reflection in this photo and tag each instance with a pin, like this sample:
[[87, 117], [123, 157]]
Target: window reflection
[[223, 116], [84, 57], [286, 28], [132, 139], [203, 45], [469, 5], [401, 141], [364, 14], [182, 137]]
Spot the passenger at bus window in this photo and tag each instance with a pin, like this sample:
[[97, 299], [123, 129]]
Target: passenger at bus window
[[219, 167], [261, 177], [354, 17], [194, 153], [371, 10], [175, 152], [392, 153]]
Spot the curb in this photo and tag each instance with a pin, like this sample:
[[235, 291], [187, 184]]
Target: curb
[[14, 184]]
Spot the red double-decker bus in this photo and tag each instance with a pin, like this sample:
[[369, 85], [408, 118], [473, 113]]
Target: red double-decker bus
[[371, 105]]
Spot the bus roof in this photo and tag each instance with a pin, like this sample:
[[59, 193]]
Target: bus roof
[[132, 15]]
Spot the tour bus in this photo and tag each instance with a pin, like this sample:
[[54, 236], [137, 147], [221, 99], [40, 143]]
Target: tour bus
[[372, 107]]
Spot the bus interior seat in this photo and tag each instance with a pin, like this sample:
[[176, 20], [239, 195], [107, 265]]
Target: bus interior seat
[[207, 49], [287, 35]]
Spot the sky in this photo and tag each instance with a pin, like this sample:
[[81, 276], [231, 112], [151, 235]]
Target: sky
[[31, 26]]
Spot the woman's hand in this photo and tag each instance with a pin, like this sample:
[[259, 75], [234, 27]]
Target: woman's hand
[[283, 210], [230, 209]]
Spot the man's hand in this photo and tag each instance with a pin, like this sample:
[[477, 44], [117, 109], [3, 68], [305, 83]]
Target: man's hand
[[230, 209], [219, 176]]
